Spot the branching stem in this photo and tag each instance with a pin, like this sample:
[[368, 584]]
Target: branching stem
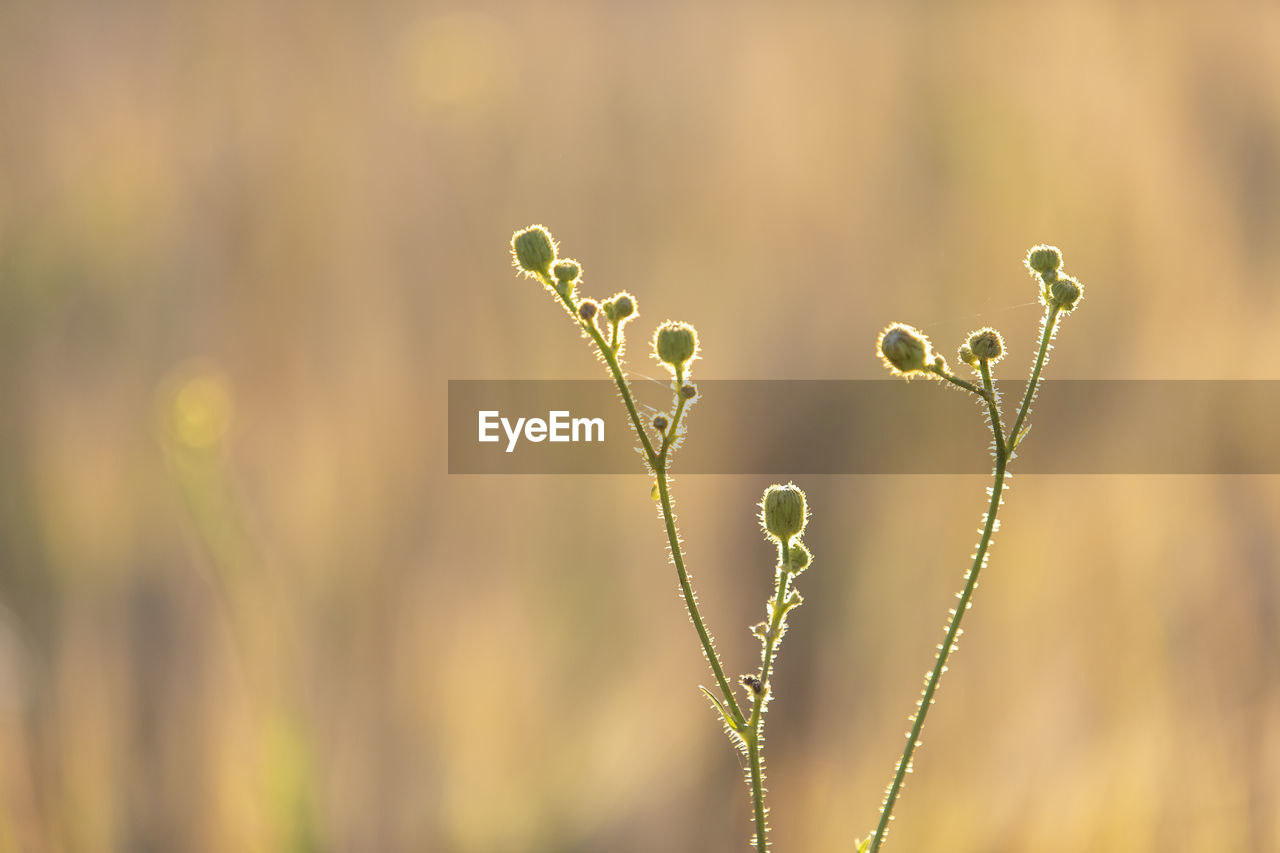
[[1002, 448]]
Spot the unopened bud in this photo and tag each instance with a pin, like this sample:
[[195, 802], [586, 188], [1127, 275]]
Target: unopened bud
[[566, 274], [688, 391], [675, 343], [904, 348], [588, 309], [1065, 293], [623, 306], [754, 684], [783, 513], [660, 424], [1044, 260], [986, 345], [534, 250], [798, 558], [619, 308], [967, 356]]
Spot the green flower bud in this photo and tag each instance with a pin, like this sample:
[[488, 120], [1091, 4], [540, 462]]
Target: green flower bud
[[986, 345], [905, 349], [618, 309], [782, 512], [588, 309], [566, 274], [624, 306], [660, 424], [967, 356], [1044, 260], [798, 558], [675, 343], [1065, 293], [534, 250]]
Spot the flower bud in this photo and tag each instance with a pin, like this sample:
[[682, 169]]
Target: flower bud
[[534, 250], [688, 391], [798, 558], [660, 424], [619, 308], [588, 309], [1065, 293], [753, 683], [623, 306], [782, 512], [566, 274], [967, 356], [675, 343], [1044, 260], [986, 345], [904, 348]]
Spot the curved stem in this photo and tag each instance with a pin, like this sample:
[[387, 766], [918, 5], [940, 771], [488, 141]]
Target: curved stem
[[953, 628], [954, 380], [1050, 322], [657, 460], [691, 601]]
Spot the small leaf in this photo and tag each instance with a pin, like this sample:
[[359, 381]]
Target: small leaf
[[724, 712]]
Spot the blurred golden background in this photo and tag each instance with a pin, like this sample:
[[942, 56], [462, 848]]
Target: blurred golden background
[[243, 607]]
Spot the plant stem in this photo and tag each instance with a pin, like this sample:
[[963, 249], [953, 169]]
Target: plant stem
[[691, 601], [657, 460], [756, 725], [1050, 323], [1002, 447], [957, 615]]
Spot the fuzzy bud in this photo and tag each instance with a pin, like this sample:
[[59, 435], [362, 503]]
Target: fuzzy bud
[[566, 273], [798, 558], [986, 345], [624, 306], [588, 309], [1044, 260], [534, 250], [660, 424], [905, 349], [967, 356], [1065, 293], [782, 512], [688, 391], [621, 307], [675, 343]]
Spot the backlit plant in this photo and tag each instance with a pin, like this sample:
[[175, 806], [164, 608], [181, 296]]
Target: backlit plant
[[783, 510], [908, 353]]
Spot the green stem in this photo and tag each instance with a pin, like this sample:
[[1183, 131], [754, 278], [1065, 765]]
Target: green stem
[[691, 601], [756, 726], [953, 628], [658, 463], [1050, 322], [954, 380]]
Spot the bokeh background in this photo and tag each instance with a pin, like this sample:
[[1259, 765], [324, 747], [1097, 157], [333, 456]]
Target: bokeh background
[[243, 606]]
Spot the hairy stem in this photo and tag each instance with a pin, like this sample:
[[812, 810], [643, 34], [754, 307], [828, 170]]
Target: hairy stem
[[957, 615], [756, 725], [1050, 322], [1002, 449], [658, 463]]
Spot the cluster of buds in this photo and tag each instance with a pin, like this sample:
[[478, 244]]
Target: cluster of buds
[[536, 254], [1057, 290], [907, 352]]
